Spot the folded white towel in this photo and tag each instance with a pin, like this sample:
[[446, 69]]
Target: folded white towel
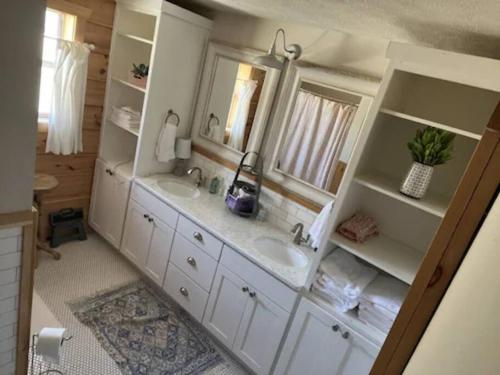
[[319, 227], [340, 302], [165, 146], [381, 324], [347, 273], [386, 292]]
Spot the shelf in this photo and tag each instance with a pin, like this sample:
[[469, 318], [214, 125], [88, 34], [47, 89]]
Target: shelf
[[128, 84], [432, 203], [438, 125], [130, 130], [136, 38], [393, 257]]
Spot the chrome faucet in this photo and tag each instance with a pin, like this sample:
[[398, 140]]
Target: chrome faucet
[[298, 230], [199, 179]]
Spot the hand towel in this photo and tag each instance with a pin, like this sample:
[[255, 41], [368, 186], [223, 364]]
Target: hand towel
[[165, 146], [320, 226], [351, 276], [358, 228], [386, 292]]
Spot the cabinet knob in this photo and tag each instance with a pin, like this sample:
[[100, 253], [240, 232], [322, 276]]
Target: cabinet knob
[[345, 335], [244, 289], [252, 294], [184, 291], [198, 236], [335, 327], [191, 261], [150, 220], [146, 216]]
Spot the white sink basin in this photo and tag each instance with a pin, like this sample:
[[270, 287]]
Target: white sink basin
[[281, 252], [178, 188]]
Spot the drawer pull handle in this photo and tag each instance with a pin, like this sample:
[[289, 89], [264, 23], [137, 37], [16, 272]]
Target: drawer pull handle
[[244, 289], [252, 294], [191, 261], [345, 335], [184, 291], [198, 236], [335, 327]]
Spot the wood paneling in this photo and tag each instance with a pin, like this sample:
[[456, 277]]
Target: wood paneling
[[99, 36], [75, 172]]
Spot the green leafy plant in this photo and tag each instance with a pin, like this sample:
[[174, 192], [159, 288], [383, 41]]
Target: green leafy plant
[[431, 146], [140, 71]]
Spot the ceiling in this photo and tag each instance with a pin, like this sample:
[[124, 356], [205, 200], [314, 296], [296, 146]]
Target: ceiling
[[470, 26]]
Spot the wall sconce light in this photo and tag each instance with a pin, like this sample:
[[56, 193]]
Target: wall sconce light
[[292, 52]]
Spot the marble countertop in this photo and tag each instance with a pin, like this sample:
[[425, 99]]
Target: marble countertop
[[210, 212]]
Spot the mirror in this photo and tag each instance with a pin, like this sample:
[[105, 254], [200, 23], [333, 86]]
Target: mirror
[[320, 136], [236, 96], [234, 99], [313, 135]]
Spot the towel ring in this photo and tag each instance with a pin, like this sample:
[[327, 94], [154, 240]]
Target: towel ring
[[171, 113], [209, 123]]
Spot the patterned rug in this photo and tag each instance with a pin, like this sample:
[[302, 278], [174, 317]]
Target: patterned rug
[[147, 333]]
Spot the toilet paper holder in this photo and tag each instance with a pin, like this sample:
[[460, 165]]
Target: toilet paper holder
[[33, 352]]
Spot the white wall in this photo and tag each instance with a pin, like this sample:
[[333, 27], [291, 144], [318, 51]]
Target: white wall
[[21, 33], [464, 335], [332, 49], [10, 271]]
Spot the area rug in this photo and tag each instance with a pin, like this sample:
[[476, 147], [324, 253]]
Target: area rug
[[145, 332]]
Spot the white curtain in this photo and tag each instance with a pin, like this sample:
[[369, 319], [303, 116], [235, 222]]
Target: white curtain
[[66, 116], [316, 134], [244, 94]]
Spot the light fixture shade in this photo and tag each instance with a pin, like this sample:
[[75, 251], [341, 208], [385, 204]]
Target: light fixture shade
[[183, 148], [270, 61]]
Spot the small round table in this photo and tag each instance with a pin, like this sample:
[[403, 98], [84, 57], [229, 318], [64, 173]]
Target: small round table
[[43, 184]]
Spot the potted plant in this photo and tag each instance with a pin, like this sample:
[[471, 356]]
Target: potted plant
[[430, 147], [139, 75]]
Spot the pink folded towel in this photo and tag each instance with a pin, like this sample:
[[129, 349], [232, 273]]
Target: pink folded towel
[[358, 228]]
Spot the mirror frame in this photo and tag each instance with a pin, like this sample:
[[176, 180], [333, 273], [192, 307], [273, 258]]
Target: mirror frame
[[216, 51], [363, 87]]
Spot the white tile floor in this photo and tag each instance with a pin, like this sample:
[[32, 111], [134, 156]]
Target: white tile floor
[[85, 268]]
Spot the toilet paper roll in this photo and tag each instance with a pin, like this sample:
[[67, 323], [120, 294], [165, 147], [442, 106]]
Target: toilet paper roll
[[49, 343]]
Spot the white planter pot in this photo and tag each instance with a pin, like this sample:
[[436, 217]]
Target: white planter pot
[[141, 82], [417, 180]]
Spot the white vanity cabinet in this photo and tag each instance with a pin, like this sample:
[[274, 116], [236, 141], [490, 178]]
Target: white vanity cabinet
[[243, 311], [318, 343], [109, 203], [149, 233]]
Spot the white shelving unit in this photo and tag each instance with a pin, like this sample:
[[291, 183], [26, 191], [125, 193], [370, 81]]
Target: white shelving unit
[[136, 38], [128, 84], [412, 96]]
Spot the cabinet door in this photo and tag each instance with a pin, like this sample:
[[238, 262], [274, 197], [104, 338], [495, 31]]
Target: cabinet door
[[100, 199], [137, 236], [359, 357], [260, 333], [119, 188], [312, 346], [225, 306], [159, 251]]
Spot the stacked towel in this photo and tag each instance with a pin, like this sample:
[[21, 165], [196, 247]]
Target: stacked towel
[[341, 280], [358, 228], [381, 301], [126, 117]]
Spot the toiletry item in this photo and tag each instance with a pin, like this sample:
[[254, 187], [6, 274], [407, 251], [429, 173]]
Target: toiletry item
[[49, 343], [214, 185]]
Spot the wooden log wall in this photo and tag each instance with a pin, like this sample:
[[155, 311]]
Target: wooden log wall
[[75, 172]]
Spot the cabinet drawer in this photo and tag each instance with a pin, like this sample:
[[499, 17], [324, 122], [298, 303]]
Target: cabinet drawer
[[200, 237], [155, 206], [185, 291], [193, 262], [259, 279]]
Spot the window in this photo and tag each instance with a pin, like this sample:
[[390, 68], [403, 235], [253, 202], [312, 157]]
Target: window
[[58, 25]]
